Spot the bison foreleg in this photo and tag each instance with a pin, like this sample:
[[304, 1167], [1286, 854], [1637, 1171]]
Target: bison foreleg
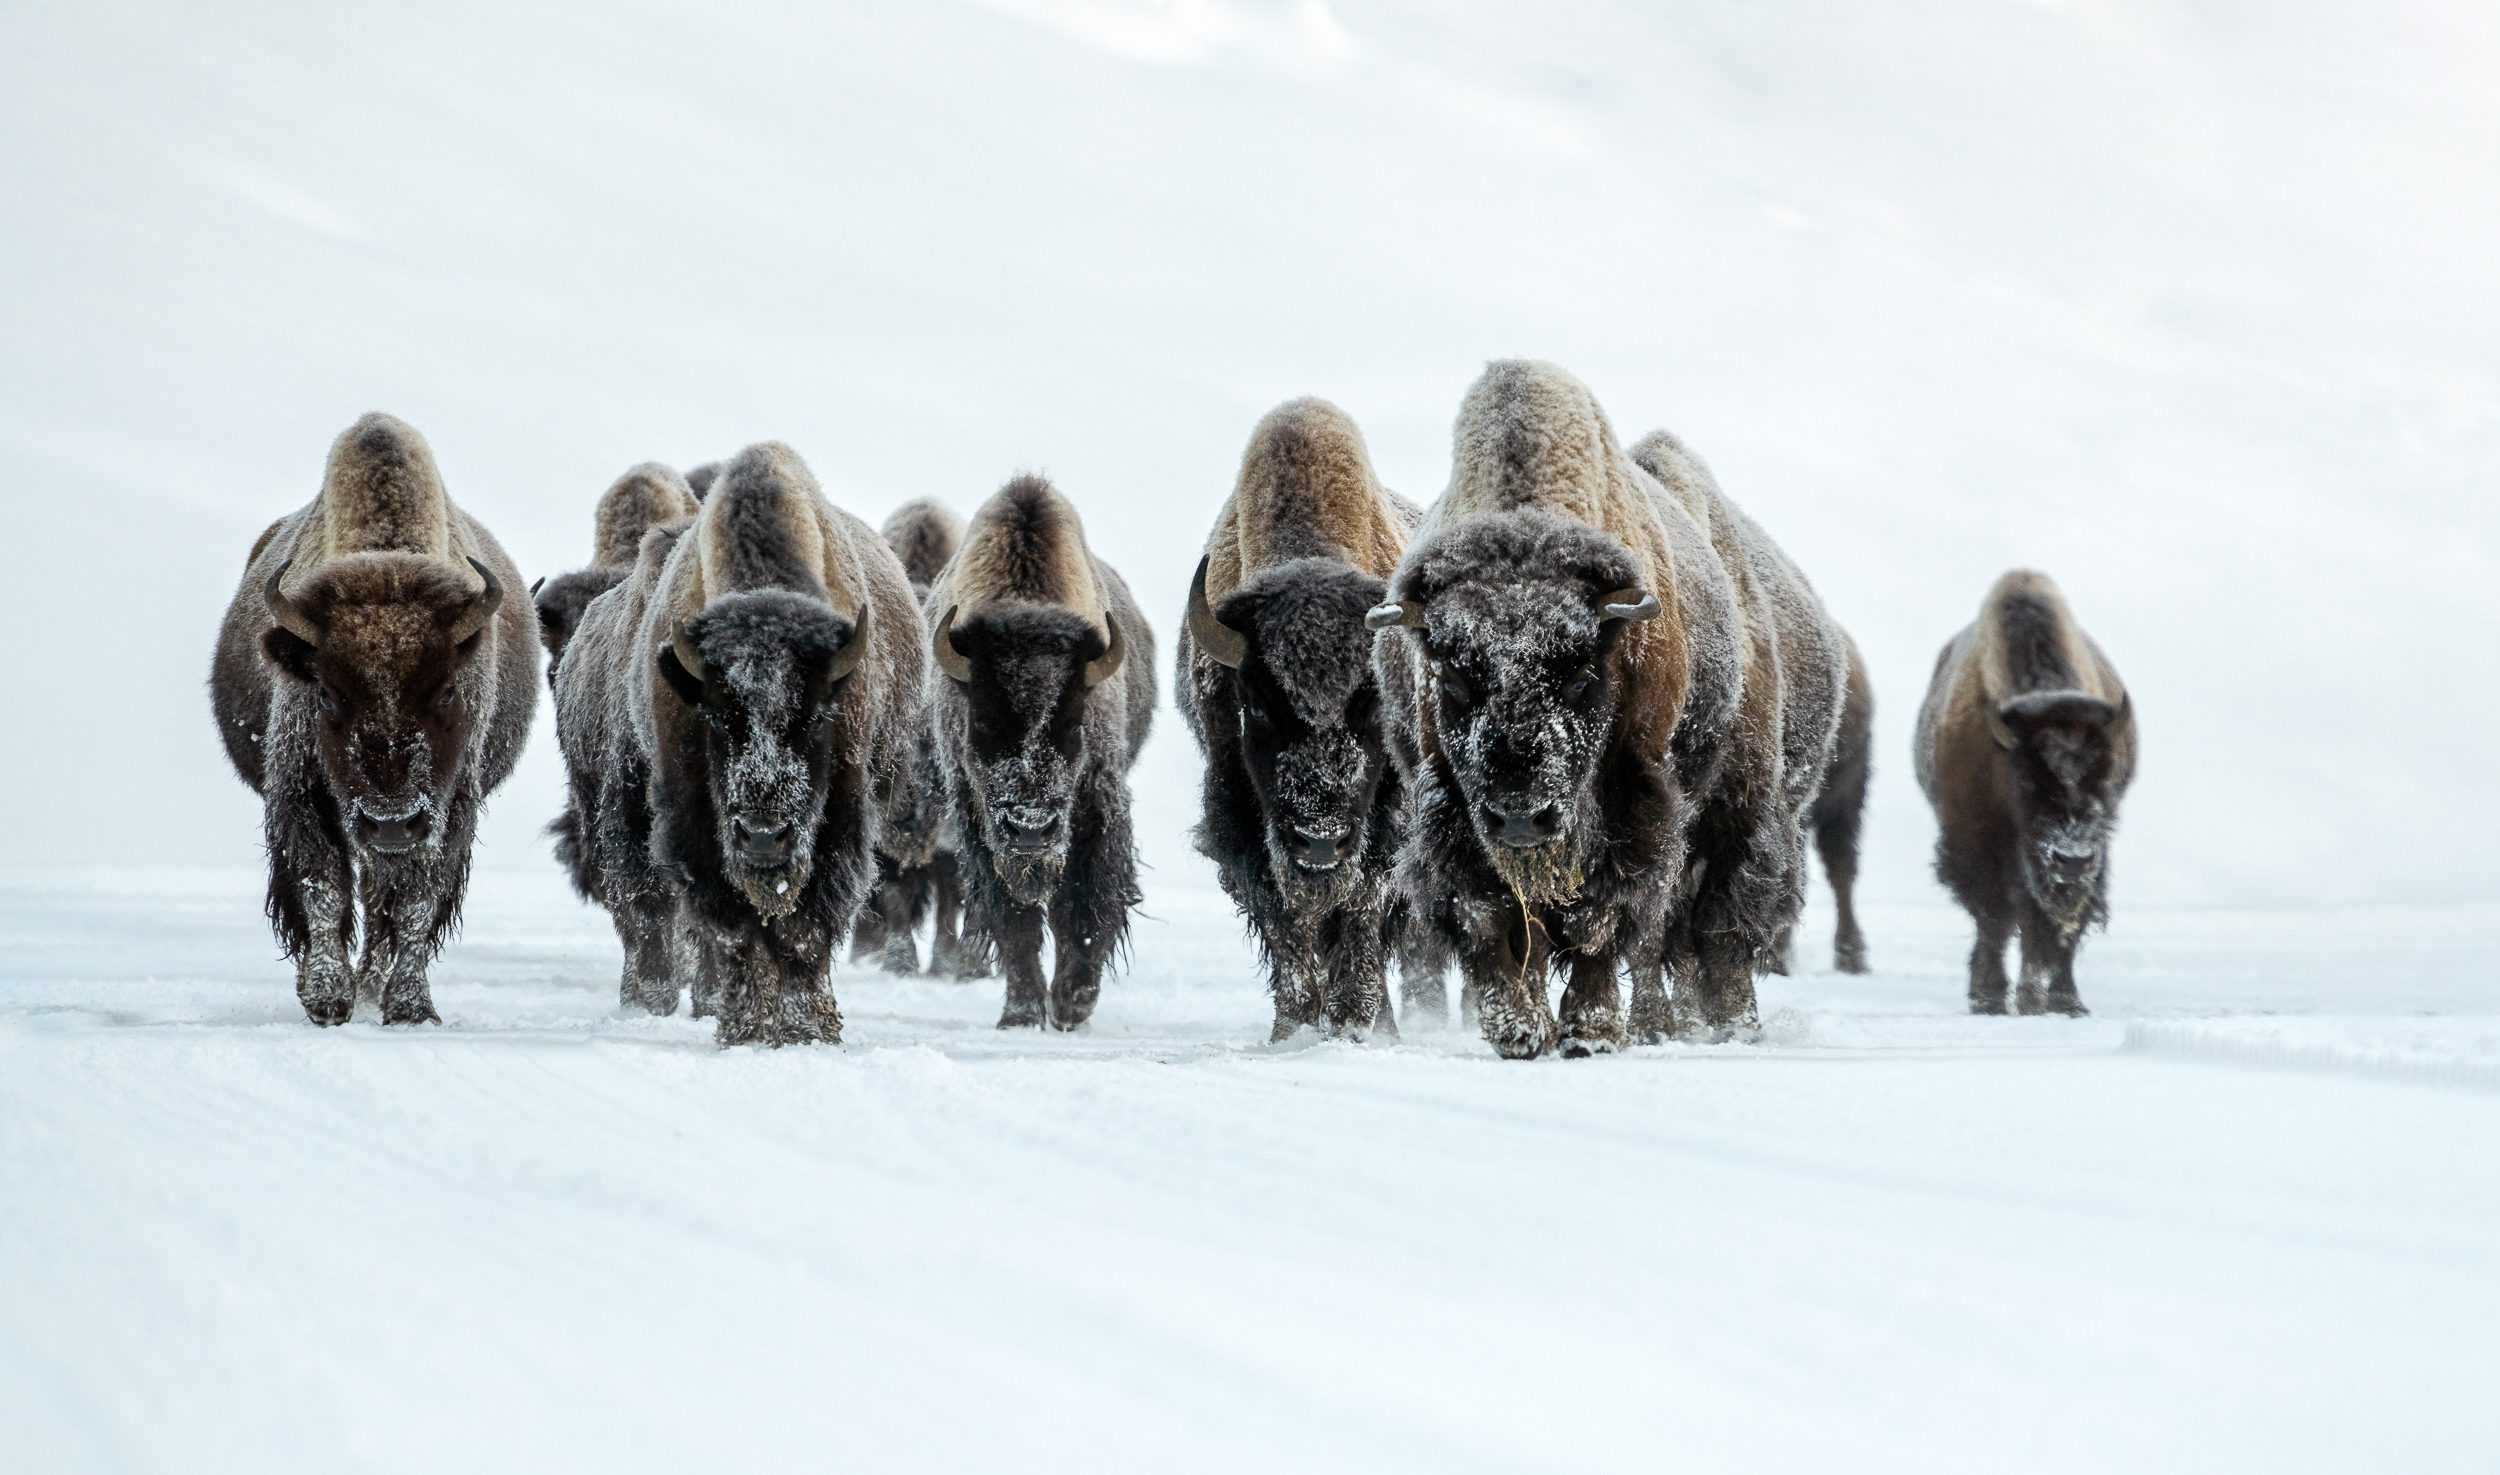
[[1019, 937], [311, 904], [900, 898], [1592, 1007], [647, 926], [2048, 960], [1356, 971], [1507, 975], [1987, 968]]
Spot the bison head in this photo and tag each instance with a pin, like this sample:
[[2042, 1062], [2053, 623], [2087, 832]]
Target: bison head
[[763, 673], [1518, 617], [562, 601], [2063, 750], [1298, 659], [1025, 671], [377, 645]]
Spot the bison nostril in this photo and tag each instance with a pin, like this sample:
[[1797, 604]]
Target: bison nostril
[[760, 842], [1523, 827]]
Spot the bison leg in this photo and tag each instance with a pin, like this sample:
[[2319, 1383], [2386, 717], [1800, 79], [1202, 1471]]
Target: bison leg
[[309, 902], [1356, 976], [776, 990], [1592, 1007], [1077, 961], [1508, 978], [1422, 993], [1652, 1020], [647, 926], [405, 915], [2048, 963], [945, 906], [1840, 867], [1987, 968], [694, 963], [900, 898], [1019, 938]]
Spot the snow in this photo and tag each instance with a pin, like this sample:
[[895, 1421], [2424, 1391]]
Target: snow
[[2243, 1218]]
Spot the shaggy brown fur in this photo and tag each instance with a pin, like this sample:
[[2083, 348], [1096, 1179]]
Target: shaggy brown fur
[[372, 682], [1672, 786], [2026, 744], [1839, 811]]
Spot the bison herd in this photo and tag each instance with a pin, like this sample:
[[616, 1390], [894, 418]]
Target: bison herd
[[1580, 718]]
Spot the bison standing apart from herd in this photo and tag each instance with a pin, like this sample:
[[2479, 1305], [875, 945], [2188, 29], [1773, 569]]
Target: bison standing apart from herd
[[1580, 719]]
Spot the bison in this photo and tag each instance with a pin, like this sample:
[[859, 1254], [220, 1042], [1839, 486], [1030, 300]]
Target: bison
[[1274, 678], [2026, 743], [918, 860], [736, 717], [1049, 693], [1619, 699], [644, 498], [373, 685]]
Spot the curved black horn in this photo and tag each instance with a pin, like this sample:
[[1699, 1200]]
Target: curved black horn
[[1629, 604], [291, 618], [1223, 644], [481, 608], [1099, 669], [2001, 730], [953, 662], [847, 659], [1407, 612]]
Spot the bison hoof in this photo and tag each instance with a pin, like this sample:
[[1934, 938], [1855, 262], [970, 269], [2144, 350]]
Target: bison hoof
[[1020, 1016], [1987, 1006], [409, 1011], [659, 998], [329, 1012], [1518, 1039], [2066, 1004], [900, 957], [1850, 957]]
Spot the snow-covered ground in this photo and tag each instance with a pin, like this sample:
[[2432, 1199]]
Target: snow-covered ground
[[2247, 1217]]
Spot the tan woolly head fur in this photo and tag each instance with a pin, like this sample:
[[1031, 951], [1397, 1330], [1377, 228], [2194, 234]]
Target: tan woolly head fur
[[1306, 489], [644, 498]]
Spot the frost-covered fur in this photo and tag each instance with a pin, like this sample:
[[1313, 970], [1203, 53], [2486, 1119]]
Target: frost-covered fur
[[918, 857], [1596, 793], [1300, 802], [375, 728], [1036, 739], [726, 772], [2026, 744]]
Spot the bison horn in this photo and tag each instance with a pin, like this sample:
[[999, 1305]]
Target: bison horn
[[290, 617], [953, 662], [1223, 644], [1629, 604], [681, 645], [481, 608], [1099, 669], [1407, 612], [2001, 730], [847, 659]]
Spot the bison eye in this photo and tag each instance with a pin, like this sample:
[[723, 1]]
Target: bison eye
[[1581, 687], [446, 698], [1455, 691]]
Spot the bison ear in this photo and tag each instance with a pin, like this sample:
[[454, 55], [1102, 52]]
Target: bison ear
[[289, 652], [687, 685]]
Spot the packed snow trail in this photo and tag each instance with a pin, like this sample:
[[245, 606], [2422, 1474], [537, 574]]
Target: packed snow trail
[[1894, 1237]]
